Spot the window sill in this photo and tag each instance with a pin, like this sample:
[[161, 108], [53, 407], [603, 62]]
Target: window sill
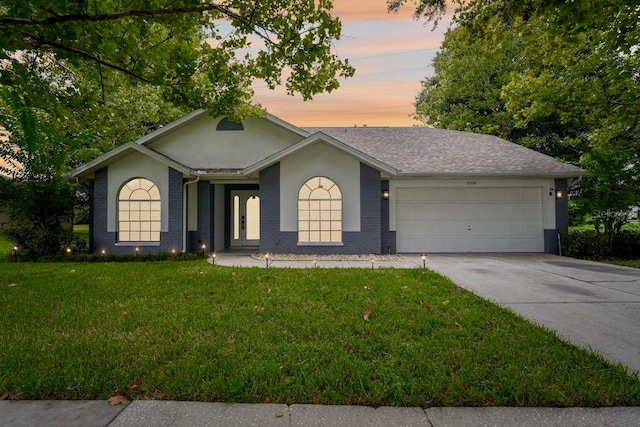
[[137, 244], [320, 244]]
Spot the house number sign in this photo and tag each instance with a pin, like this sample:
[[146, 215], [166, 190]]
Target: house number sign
[[471, 183]]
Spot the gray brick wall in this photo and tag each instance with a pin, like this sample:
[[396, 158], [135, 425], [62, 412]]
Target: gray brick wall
[[270, 236], [99, 235], [102, 239], [172, 239], [204, 233], [368, 240], [562, 206], [562, 219], [388, 237]]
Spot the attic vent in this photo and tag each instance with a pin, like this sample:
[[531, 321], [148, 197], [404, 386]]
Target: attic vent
[[226, 124]]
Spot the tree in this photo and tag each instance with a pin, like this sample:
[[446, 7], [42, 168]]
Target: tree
[[38, 199], [202, 54], [560, 77]]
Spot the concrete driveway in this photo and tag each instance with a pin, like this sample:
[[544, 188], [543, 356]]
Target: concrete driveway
[[591, 304]]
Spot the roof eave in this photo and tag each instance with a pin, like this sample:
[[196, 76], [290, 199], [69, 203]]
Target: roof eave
[[532, 175]]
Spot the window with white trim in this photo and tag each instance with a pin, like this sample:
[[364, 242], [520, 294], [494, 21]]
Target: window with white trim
[[139, 211], [319, 211]]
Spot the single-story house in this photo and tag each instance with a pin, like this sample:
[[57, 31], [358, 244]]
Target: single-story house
[[209, 184]]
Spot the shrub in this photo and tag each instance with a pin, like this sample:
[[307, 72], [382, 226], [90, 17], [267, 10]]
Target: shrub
[[585, 244], [37, 243], [627, 245], [590, 245]]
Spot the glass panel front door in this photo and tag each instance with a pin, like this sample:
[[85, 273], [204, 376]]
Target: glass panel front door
[[245, 218]]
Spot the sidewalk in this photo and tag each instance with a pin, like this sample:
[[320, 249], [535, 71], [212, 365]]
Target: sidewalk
[[195, 414]]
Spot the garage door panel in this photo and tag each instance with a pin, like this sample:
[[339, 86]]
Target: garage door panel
[[469, 220]]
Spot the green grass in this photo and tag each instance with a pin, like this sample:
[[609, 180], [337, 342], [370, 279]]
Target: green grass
[[635, 263], [5, 248], [81, 230], [589, 227], [192, 331]]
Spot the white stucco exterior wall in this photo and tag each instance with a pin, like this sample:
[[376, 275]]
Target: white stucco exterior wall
[[199, 145], [548, 201], [320, 160], [137, 165]]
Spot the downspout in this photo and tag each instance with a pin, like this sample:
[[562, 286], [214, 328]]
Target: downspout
[[184, 212]]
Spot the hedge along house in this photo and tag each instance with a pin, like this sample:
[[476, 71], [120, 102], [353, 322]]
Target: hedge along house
[[209, 184]]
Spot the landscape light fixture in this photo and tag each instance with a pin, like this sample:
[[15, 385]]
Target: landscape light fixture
[[68, 251], [14, 253], [315, 263], [373, 263], [204, 247], [424, 261], [136, 250], [103, 252], [266, 260], [213, 258]]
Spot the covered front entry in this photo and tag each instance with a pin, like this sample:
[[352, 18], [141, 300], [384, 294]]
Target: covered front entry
[[469, 220], [245, 218]]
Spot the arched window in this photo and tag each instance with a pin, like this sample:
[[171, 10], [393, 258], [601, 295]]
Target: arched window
[[319, 211], [139, 211]]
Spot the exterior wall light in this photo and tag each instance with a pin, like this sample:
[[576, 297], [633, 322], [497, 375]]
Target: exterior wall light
[[385, 195], [559, 194]]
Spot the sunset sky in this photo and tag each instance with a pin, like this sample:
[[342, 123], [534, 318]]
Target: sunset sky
[[391, 53]]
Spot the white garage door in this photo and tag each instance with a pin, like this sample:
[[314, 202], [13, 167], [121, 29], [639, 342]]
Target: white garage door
[[469, 220]]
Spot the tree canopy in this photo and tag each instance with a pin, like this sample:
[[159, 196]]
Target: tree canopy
[[558, 76], [202, 54]]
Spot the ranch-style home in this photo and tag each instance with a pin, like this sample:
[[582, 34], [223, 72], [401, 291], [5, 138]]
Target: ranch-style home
[[209, 184]]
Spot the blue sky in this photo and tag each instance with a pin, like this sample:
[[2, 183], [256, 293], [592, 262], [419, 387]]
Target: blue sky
[[392, 53]]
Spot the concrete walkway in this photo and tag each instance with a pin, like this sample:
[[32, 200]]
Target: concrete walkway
[[195, 414]]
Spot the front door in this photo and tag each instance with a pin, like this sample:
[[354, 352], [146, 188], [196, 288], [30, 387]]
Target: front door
[[245, 218]]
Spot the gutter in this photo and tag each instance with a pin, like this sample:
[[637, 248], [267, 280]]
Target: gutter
[[184, 212]]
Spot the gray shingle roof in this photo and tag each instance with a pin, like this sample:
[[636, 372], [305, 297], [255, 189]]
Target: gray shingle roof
[[425, 151]]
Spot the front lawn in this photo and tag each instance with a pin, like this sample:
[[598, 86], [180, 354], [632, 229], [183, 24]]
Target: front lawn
[[192, 331]]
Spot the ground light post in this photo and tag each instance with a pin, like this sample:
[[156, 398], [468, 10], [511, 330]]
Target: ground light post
[[424, 261]]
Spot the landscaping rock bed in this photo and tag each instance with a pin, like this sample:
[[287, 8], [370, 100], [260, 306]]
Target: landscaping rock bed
[[335, 257]]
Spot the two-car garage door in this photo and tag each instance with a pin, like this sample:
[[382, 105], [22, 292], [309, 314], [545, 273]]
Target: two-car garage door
[[469, 220]]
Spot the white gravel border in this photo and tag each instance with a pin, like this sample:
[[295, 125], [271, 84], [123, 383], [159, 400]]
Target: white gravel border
[[334, 257]]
